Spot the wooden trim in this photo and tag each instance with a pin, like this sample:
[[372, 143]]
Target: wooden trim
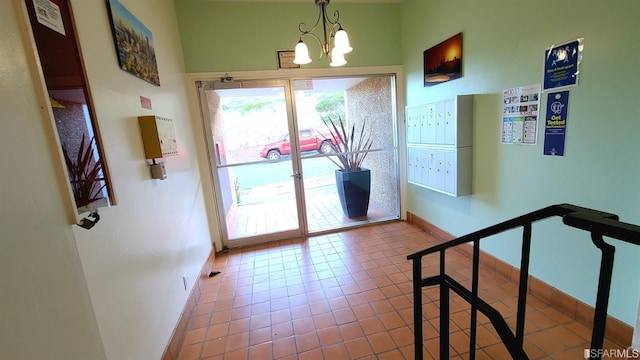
[[172, 350], [45, 82], [93, 115], [617, 331], [42, 97]]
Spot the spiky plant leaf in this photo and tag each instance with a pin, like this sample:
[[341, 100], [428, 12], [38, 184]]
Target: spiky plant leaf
[[350, 147], [85, 173]]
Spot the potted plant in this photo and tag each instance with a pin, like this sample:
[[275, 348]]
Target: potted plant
[[85, 174], [350, 147]]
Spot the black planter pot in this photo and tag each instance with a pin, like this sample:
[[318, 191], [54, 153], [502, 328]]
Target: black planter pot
[[354, 188]]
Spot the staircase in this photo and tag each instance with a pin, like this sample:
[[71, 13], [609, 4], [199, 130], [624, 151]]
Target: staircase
[[598, 224]]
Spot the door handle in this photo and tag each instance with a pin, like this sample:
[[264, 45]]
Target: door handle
[[217, 153], [297, 176]]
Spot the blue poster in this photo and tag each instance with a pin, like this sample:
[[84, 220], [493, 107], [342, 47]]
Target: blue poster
[[561, 65], [555, 127]]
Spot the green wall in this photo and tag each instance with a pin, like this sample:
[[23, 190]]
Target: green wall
[[241, 36], [504, 42]]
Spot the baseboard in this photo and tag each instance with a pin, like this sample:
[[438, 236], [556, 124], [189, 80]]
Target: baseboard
[[172, 350], [617, 331]]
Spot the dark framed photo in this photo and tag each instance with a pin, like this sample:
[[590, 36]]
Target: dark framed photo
[[285, 59], [134, 43], [443, 62]]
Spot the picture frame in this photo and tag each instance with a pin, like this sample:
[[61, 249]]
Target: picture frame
[[443, 62], [285, 59], [133, 43]]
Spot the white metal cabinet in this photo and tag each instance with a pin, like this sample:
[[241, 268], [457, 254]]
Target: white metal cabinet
[[439, 120], [439, 156], [428, 133], [439, 142], [424, 166], [450, 128], [413, 123], [412, 160], [433, 167], [450, 172]]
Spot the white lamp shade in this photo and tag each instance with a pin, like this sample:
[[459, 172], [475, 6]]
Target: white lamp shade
[[302, 54], [342, 41], [337, 57]]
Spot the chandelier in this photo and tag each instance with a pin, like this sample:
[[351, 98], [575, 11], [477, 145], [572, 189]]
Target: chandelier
[[332, 34]]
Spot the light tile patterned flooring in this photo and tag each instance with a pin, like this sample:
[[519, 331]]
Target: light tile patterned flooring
[[349, 296]]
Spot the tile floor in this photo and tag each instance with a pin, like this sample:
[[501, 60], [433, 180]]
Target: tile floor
[[349, 296], [323, 213]]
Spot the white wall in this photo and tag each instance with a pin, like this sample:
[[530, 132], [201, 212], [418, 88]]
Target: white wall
[[45, 310], [116, 290]]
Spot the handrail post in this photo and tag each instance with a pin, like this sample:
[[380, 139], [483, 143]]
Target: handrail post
[[417, 307], [444, 310], [475, 275], [598, 224], [602, 298], [523, 283]]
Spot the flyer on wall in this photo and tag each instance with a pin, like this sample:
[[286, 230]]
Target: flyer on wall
[[48, 14], [520, 115], [555, 128]]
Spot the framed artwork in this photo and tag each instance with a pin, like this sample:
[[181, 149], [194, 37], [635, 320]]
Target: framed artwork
[[285, 59], [443, 62], [134, 43]]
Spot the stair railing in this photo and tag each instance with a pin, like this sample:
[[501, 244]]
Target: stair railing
[[598, 223]]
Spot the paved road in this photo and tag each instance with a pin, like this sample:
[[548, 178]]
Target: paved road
[[253, 175]]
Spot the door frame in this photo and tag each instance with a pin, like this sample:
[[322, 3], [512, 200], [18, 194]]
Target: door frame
[[214, 157], [207, 176]]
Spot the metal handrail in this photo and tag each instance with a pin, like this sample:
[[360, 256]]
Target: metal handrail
[[596, 222]]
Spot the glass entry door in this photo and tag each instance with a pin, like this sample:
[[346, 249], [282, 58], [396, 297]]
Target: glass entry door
[[365, 106], [273, 185], [251, 152]]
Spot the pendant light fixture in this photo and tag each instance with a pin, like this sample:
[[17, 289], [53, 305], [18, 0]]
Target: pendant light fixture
[[334, 41]]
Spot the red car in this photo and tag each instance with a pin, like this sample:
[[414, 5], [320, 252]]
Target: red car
[[309, 139]]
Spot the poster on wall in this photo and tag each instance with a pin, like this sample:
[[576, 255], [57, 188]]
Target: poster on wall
[[134, 43], [555, 128], [520, 115], [561, 64]]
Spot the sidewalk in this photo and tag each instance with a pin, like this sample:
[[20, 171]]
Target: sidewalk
[[285, 190]]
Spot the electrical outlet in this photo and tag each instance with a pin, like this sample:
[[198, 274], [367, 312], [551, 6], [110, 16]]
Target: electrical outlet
[[185, 279]]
